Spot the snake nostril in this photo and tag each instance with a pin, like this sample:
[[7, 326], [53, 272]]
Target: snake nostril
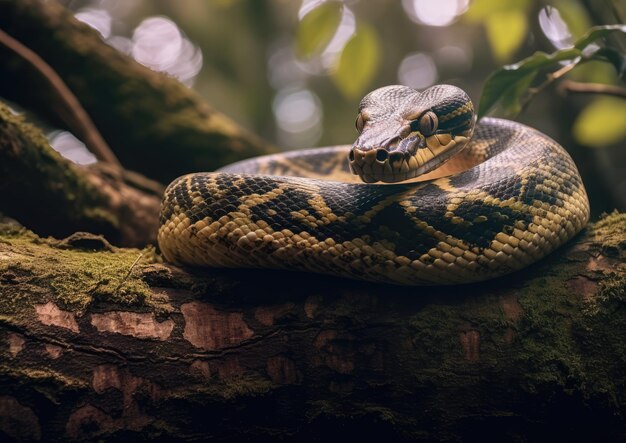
[[381, 155], [351, 155], [396, 157]]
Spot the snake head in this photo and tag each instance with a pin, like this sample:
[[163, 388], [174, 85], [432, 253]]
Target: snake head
[[404, 133]]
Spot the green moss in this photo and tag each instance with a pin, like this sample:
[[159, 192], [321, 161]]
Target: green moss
[[73, 279], [381, 413], [611, 291], [11, 230], [45, 381], [245, 386], [600, 336], [561, 339], [229, 389], [68, 191], [20, 125], [610, 230]]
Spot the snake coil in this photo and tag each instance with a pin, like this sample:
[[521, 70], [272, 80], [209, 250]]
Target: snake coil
[[488, 199]]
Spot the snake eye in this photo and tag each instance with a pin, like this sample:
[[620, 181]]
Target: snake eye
[[360, 123], [428, 123]]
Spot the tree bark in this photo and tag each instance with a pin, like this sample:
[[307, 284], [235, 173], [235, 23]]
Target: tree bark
[[154, 124], [112, 345], [53, 196]]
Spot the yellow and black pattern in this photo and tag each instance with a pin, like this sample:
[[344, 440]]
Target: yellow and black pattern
[[521, 198]]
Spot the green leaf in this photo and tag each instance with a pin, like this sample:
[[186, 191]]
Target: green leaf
[[601, 123], [597, 32], [616, 58], [506, 32], [317, 28], [510, 98], [358, 62], [509, 83]]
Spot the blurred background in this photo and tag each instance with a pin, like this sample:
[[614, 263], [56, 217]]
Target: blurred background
[[294, 71]]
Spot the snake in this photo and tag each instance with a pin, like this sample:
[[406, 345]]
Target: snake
[[426, 195]]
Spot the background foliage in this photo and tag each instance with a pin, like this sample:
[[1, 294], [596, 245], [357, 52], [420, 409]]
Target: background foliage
[[294, 72]]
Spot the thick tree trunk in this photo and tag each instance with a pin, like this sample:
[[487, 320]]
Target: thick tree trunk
[[109, 344]]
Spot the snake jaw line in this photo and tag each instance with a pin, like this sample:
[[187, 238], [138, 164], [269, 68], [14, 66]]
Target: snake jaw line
[[414, 136], [374, 165]]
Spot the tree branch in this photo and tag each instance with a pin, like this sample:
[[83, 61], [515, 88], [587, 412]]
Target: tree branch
[[154, 124], [570, 86], [550, 78], [52, 196], [98, 347], [67, 105]]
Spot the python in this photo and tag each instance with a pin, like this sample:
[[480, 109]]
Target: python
[[425, 196]]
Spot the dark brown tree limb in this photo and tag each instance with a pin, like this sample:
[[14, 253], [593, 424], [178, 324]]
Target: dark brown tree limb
[[102, 345], [153, 123], [67, 105], [52, 196]]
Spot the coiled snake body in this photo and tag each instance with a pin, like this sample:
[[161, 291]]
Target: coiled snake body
[[480, 206]]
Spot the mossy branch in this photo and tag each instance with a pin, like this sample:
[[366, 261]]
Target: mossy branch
[[153, 123], [98, 346], [52, 196], [67, 105]]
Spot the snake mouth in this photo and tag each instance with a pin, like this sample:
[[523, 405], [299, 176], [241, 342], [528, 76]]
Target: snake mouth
[[406, 159]]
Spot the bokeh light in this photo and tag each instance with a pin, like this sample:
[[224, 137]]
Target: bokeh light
[[298, 102], [434, 13], [298, 114], [283, 68], [454, 59], [554, 27], [159, 44], [307, 6], [99, 19], [345, 30], [417, 70], [70, 147], [122, 44]]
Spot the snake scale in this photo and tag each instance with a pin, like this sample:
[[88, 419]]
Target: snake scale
[[461, 201]]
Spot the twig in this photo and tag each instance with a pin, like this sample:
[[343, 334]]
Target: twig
[[591, 88], [75, 115], [130, 270], [550, 78]]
